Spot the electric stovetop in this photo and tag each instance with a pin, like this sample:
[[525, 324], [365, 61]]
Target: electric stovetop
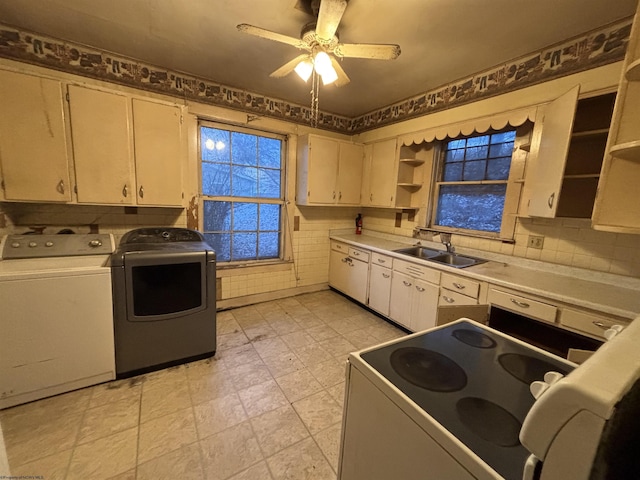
[[474, 381]]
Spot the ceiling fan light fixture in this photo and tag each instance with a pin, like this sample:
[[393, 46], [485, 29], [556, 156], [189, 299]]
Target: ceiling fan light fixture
[[329, 76], [304, 69], [322, 63]]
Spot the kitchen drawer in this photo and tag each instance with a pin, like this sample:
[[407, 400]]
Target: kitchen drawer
[[340, 247], [447, 297], [587, 322], [382, 260], [417, 271], [460, 285], [358, 254], [522, 305]]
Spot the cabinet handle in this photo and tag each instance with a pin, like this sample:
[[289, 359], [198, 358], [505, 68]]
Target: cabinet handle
[[340, 196], [356, 254], [125, 191], [520, 304], [380, 260], [351, 264], [385, 275], [551, 198], [141, 192], [419, 288], [459, 286], [407, 284], [345, 260], [61, 186], [334, 195], [448, 299], [601, 325], [371, 197]]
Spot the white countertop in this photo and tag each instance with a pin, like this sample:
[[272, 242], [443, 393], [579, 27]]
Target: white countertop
[[616, 295]]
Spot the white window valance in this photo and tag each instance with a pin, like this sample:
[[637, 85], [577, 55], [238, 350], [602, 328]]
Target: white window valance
[[514, 118]]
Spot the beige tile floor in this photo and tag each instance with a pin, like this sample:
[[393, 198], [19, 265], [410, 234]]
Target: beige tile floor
[[268, 406]]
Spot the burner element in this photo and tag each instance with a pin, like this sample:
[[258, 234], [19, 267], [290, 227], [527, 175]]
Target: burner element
[[428, 369], [527, 369], [474, 338], [489, 421]]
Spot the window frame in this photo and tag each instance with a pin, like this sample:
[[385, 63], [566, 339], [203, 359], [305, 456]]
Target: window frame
[[513, 184], [284, 253]]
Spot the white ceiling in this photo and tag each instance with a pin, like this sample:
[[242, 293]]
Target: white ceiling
[[441, 40]]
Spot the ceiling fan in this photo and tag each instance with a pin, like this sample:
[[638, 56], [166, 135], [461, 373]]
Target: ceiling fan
[[321, 45]]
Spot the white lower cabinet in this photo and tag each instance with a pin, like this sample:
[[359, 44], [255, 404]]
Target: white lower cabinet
[[414, 301], [380, 289], [349, 272]]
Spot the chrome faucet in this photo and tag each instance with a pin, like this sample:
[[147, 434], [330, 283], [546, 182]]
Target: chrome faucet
[[445, 238]]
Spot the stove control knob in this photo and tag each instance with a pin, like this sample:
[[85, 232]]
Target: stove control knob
[[48, 244], [95, 243], [537, 388], [15, 244], [33, 244]]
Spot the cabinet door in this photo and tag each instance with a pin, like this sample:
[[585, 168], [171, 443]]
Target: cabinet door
[[322, 170], [349, 173], [379, 289], [339, 271], [545, 168], [424, 305], [400, 302], [102, 146], [357, 280], [158, 153], [383, 173], [33, 143]]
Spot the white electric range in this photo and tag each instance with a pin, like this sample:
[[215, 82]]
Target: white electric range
[[450, 403], [57, 315]]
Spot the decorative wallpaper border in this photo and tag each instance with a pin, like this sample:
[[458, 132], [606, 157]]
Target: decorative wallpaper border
[[600, 47]]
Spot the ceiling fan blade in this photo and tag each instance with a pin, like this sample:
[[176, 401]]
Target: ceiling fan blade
[[288, 67], [343, 79], [329, 17], [269, 35], [367, 50]]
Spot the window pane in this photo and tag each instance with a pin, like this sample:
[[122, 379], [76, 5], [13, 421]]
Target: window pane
[[217, 216], [215, 179], [476, 153], [245, 181], [474, 170], [452, 172], [503, 137], [456, 144], [476, 141], [269, 217], [221, 243], [244, 246], [269, 183], [474, 207], [269, 152], [245, 216], [498, 168], [214, 145], [501, 150], [268, 245], [244, 149], [454, 155]]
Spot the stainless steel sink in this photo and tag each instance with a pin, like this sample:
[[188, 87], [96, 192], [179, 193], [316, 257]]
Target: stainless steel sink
[[451, 259], [457, 261], [419, 252]]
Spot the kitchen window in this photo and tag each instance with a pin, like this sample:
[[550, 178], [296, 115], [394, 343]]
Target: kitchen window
[[471, 183], [242, 192]]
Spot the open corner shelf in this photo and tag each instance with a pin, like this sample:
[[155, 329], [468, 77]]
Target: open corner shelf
[[414, 162], [410, 185], [627, 151]]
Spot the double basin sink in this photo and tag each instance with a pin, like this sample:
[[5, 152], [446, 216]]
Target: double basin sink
[[444, 258]]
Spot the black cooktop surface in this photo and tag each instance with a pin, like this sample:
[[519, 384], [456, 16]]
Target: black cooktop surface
[[474, 382]]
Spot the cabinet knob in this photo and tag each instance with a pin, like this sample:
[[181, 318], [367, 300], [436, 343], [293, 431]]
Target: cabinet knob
[[141, 192], [125, 191]]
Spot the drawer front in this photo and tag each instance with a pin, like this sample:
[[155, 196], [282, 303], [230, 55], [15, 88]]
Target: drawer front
[[447, 297], [460, 284], [358, 254], [340, 247], [522, 305], [417, 271], [382, 260], [587, 322]]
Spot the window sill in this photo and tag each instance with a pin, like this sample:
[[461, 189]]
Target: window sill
[[235, 269]]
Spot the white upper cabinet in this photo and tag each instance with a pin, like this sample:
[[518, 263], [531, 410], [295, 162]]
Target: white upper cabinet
[[33, 141], [158, 153], [379, 180], [550, 145], [102, 147], [329, 171]]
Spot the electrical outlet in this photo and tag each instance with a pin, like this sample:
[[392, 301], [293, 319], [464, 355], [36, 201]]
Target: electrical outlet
[[535, 241]]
